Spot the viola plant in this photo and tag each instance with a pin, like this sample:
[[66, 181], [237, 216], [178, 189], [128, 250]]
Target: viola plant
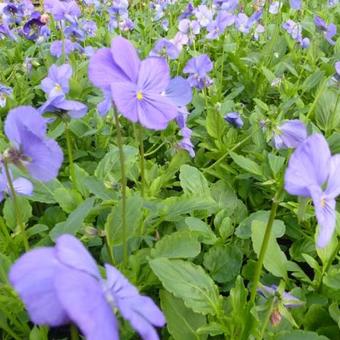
[[198, 194]]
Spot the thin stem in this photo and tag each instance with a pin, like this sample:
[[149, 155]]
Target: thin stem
[[141, 156], [16, 208], [74, 332], [123, 187], [266, 320], [70, 155], [151, 151]]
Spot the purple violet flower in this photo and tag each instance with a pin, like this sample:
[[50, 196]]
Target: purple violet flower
[[313, 172], [5, 91], [165, 48], [56, 48], [227, 5], [290, 134], [329, 30], [62, 284], [62, 10], [32, 28], [21, 185], [136, 86], [295, 31], [295, 4], [197, 68], [204, 15], [217, 27], [31, 148], [189, 28], [234, 119], [57, 81]]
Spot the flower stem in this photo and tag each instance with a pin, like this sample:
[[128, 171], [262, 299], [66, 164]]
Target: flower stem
[[16, 208], [141, 155], [123, 187], [74, 332], [259, 264], [70, 155]]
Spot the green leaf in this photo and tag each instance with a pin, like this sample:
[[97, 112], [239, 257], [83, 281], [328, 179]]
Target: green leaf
[[68, 199], [312, 80], [223, 262], [182, 322], [74, 221], [25, 211], [275, 260], [215, 124], [134, 214], [276, 163], [204, 232], [188, 282], [97, 188], [180, 244], [327, 113], [301, 335], [193, 182], [246, 164]]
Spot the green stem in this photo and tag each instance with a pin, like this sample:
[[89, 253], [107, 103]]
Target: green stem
[[16, 208], [70, 155], [151, 151], [123, 187], [74, 332], [266, 320], [141, 155], [258, 268]]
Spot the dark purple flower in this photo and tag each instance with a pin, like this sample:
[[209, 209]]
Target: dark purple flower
[[5, 91], [290, 134], [187, 12], [197, 68], [57, 81], [313, 172], [329, 30], [62, 284], [21, 185], [31, 148], [32, 28], [136, 86], [56, 48], [164, 48], [234, 119]]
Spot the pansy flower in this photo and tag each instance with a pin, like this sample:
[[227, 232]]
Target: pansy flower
[[62, 284], [290, 134], [328, 30], [198, 68], [5, 91], [313, 172]]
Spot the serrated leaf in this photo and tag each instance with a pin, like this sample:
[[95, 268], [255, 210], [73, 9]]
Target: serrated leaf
[[188, 282], [193, 181], [204, 232]]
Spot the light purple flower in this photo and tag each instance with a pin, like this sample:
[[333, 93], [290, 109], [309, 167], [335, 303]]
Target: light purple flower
[[295, 4], [329, 30], [217, 27], [290, 134], [31, 148], [57, 81], [62, 284], [234, 119], [164, 48], [62, 10], [295, 31], [21, 185], [5, 91], [136, 86], [197, 68], [274, 7], [204, 15], [56, 48], [287, 299], [190, 28], [313, 172], [227, 5]]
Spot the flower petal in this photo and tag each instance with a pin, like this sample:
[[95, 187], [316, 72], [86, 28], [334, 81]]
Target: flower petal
[[333, 185], [156, 111], [103, 71], [154, 75], [325, 214], [74, 108], [32, 276], [179, 91], [125, 57], [23, 186], [83, 298], [125, 98], [71, 252], [308, 166]]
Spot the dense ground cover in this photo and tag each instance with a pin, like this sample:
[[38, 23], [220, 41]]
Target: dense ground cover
[[169, 169]]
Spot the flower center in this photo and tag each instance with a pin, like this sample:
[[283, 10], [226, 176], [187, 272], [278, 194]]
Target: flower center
[[57, 87], [139, 95], [323, 202]]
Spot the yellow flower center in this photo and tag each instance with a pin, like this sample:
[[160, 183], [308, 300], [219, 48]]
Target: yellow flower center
[[57, 87], [323, 202], [139, 95]]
